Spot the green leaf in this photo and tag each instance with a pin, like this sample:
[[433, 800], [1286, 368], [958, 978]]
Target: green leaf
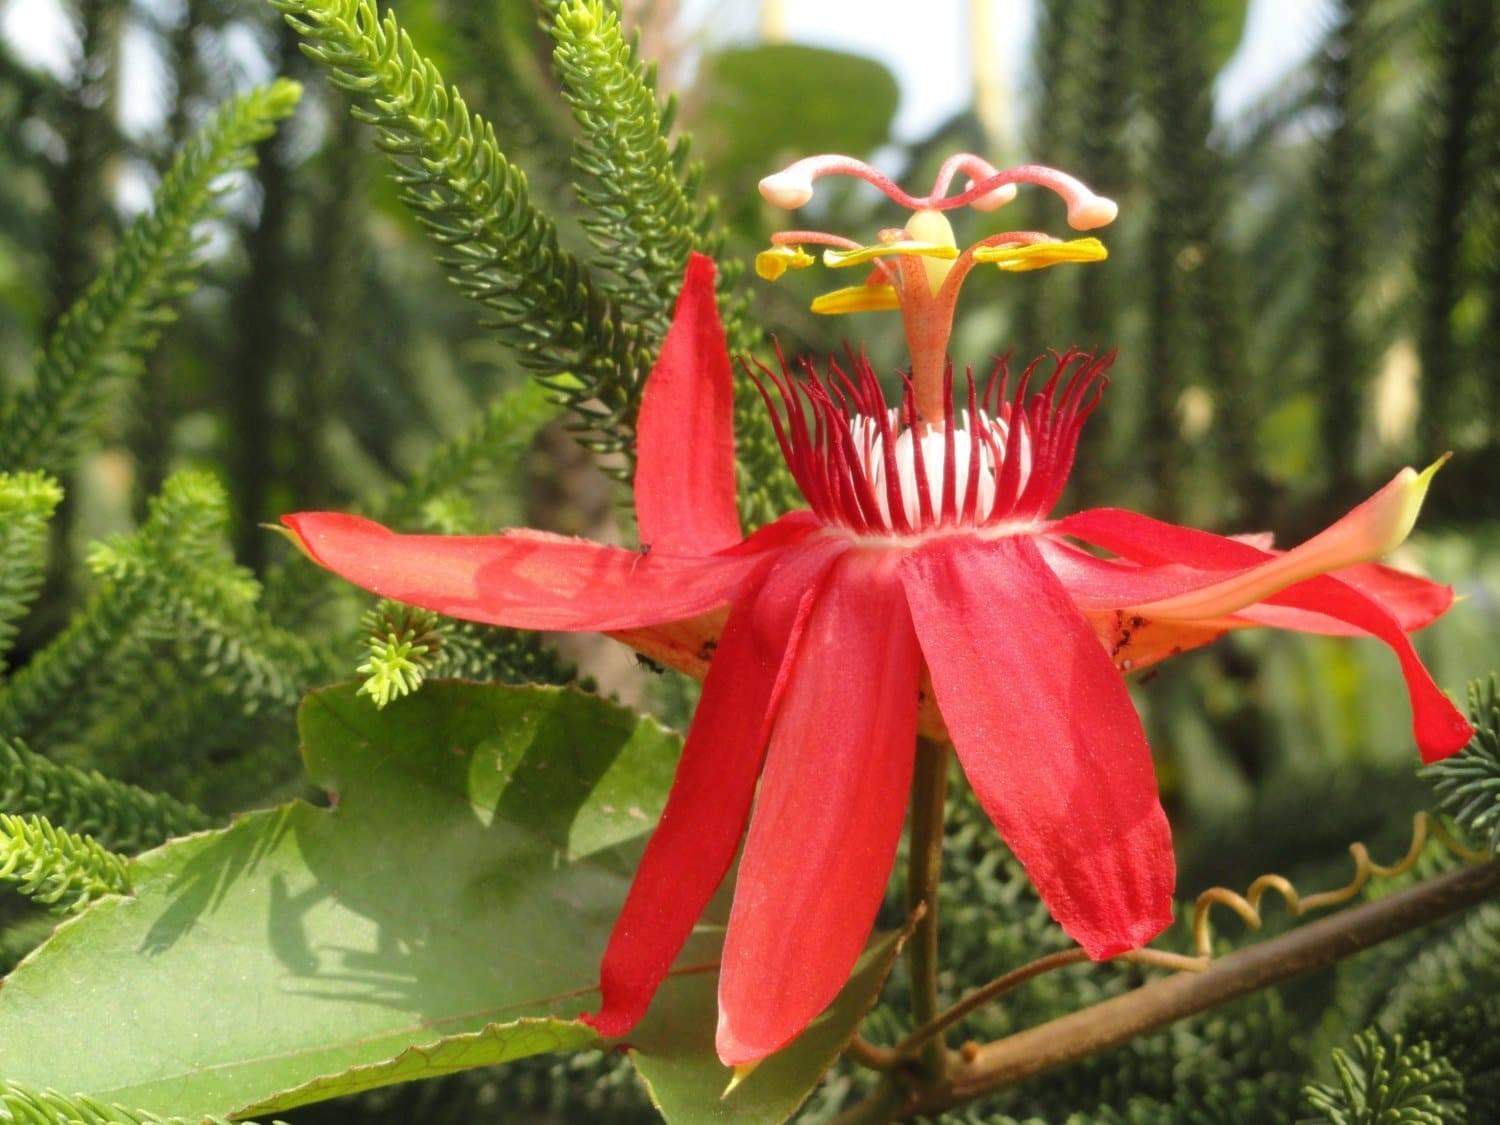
[[1225, 27], [496, 1043], [767, 101], [675, 1055], [466, 875], [448, 911]]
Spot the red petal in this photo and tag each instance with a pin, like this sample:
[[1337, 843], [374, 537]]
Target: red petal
[[684, 477], [1047, 735], [828, 818], [700, 829], [1358, 601], [1238, 574], [1413, 601], [524, 579], [1437, 725]]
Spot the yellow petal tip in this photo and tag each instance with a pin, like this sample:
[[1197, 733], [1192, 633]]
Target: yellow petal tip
[[1413, 496], [741, 1072]]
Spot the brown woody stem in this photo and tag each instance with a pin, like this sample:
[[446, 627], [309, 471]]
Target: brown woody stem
[[1118, 1020]]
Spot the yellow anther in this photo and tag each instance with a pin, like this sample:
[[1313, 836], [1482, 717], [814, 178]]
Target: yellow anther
[[842, 259], [771, 264], [857, 298], [1040, 255]]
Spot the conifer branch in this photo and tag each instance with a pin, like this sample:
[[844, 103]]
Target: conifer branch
[[119, 316], [1385, 1079], [58, 674], [27, 501], [645, 215], [23, 1105], [500, 249], [492, 446], [638, 186], [119, 816], [1469, 782], [61, 869], [171, 581], [406, 645]]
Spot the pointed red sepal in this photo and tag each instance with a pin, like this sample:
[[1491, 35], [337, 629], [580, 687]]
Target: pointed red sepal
[[1367, 599], [700, 829], [684, 477], [523, 579], [826, 823], [1047, 735]]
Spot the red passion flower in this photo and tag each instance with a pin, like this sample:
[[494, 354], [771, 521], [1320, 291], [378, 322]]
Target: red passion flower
[[926, 588]]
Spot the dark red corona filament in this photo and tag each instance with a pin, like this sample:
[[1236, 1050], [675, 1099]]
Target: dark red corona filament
[[829, 425]]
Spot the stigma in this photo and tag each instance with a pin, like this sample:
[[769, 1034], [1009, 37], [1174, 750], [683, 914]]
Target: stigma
[[918, 269]]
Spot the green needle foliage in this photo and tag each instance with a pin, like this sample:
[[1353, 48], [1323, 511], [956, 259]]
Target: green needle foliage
[[499, 247], [27, 501], [172, 580], [406, 645], [119, 316], [590, 341], [21, 1105], [1383, 1080], [61, 869], [119, 816], [638, 187], [491, 447], [1469, 782], [642, 194]]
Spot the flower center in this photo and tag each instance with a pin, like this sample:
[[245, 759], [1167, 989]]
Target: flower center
[[877, 470], [918, 269], [979, 440]]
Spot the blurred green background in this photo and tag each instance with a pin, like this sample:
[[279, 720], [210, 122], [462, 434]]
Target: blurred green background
[[1304, 287]]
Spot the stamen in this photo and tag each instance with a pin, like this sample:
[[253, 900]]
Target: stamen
[[843, 259], [771, 264], [1040, 255], [857, 298]]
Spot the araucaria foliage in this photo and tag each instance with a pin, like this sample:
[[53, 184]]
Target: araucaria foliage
[[62, 869], [118, 318]]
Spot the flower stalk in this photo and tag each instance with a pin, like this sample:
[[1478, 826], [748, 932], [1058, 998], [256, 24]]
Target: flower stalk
[[929, 792]]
